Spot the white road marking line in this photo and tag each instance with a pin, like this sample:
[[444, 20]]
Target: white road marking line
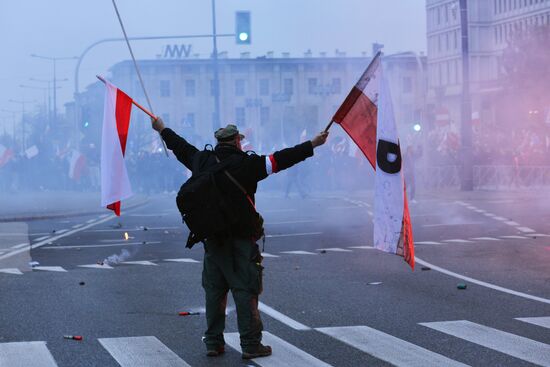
[[451, 224], [77, 225], [514, 237], [539, 321], [363, 247], [96, 266], [141, 351], [132, 229], [104, 215], [282, 318], [457, 240], [290, 222], [61, 231], [148, 215], [512, 223], [298, 252], [500, 218], [471, 207], [484, 239], [384, 346], [481, 283], [41, 238], [539, 235], [489, 215], [293, 234], [186, 260], [50, 268], [501, 341], [278, 210], [526, 230], [26, 354], [139, 262], [90, 221], [10, 271], [427, 243], [285, 354], [21, 245], [334, 249], [265, 254], [479, 210], [83, 247]]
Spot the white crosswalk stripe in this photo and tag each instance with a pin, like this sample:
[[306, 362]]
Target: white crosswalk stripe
[[334, 249], [50, 268], [11, 271], [139, 262], [183, 260], [26, 354], [141, 351], [285, 354], [298, 252], [539, 321], [501, 341], [387, 347]]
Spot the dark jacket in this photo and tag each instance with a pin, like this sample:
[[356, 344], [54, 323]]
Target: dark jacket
[[251, 169]]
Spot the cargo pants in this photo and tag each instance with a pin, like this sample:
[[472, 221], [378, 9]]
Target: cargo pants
[[232, 265]]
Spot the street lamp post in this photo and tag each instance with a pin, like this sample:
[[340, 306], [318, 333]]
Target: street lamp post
[[216, 121], [466, 176], [23, 132], [54, 61], [13, 120]]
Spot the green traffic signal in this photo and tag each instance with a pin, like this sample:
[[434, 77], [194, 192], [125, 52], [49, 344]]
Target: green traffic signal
[[242, 27]]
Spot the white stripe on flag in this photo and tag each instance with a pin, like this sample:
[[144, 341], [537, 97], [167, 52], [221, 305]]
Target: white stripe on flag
[[268, 166], [26, 354], [284, 354], [503, 342], [387, 347], [141, 351]]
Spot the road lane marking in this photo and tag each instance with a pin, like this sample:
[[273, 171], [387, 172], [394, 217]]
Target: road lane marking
[[334, 249], [363, 247], [512, 223], [139, 262], [132, 229], [514, 237], [282, 318], [61, 231], [50, 268], [457, 241], [501, 341], [55, 238], [290, 222], [481, 283], [451, 224], [427, 243], [21, 245], [266, 254], [96, 266], [539, 321], [141, 351], [484, 239], [41, 238], [278, 210], [78, 225], [384, 346], [90, 220], [186, 260], [299, 252], [106, 245], [540, 235], [502, 219], [148, 215], [285, 354], [26, 354], [526, 230], [293, 234], [10, 271]]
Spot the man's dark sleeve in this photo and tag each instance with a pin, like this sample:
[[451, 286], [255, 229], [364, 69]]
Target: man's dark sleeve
[[281, 159], [182, 149]]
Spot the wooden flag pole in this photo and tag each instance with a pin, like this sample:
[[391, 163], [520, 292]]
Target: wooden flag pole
[[134, 102], [329, 125]]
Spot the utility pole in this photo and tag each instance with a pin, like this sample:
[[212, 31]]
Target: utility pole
[[466, 174], [216, 121], [13, 120], [49, 82], [23, 127]]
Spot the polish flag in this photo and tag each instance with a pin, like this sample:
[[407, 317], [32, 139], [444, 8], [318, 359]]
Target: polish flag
[[367, 116], [115, 184], [77, 164], [5, 155]]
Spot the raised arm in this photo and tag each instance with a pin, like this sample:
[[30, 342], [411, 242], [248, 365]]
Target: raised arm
[[182, 149]]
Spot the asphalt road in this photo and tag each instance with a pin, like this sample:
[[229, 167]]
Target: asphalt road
[[329, 298]]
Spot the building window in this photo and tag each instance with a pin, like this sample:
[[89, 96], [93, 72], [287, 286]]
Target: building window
[[438, 16], [240, 116], [288, 86], [264, 115], [312, 85], [456, 39], [264, 87], [447, 13], [239, 87], [166, 118], [336, 85], [447, 41], [190, 88], [407, 84], [165, 88]]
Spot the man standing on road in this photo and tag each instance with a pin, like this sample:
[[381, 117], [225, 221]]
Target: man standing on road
[[235, 262]]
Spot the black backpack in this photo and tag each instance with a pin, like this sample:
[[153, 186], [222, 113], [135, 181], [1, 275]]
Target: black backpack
[[203, 207]]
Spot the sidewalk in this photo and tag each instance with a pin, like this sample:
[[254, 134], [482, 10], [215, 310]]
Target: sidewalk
[[25, 206]]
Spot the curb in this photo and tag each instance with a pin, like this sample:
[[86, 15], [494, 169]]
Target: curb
[[66, 214]]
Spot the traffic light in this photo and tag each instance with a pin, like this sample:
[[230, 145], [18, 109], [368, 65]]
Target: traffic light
[[242, 27]]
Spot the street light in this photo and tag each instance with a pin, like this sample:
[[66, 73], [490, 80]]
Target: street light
[[47, 97], [54, 61], [13, 119], [22, 103]]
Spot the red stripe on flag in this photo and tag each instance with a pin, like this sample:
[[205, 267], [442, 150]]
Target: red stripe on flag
[[122, 115], [406, 241], [342, 112], [115, 207], [274, 167]]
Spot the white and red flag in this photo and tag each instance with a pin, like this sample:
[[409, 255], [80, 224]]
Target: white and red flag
[[77, 164], [5, 155], [115, 184], [367, 116]]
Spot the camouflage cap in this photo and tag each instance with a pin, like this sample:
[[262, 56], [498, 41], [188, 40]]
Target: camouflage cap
[[228, 132]]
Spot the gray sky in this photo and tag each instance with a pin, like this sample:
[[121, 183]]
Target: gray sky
[[66, 27]]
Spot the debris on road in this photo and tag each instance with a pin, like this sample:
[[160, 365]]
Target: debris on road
[[424, 268], [73, 337], [461, 286], [53, 230], [145, 228], [100, 263], [116, 259], [374, 283], [115, 226], [82, 283], [126, 236], [323, 251], [186, 313], [32, 264]]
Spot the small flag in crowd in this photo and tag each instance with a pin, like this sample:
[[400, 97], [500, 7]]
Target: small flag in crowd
[[31, 152], [115, 184], [367, 116], [5, 155], [77, 164]]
